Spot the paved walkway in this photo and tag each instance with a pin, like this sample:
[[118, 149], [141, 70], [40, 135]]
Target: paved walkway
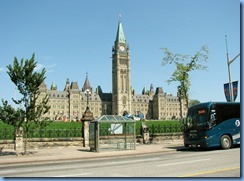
[[68, 153]]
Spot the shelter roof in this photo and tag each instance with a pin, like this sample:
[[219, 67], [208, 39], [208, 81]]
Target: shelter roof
[[113, 119]]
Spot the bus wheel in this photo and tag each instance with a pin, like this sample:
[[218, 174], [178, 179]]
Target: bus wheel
[[225, 142]]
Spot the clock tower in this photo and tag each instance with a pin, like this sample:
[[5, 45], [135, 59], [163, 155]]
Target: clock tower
[[121, 97]]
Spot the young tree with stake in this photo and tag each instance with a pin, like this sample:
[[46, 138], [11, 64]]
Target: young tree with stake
[[27, 81]]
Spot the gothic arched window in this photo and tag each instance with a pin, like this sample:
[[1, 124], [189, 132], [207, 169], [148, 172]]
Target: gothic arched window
[[124, 100]]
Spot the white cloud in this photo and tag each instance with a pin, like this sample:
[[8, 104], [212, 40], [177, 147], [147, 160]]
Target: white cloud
[[50, 71], [2, 69], [39, 67], [47, 67], [50, 68], [52, 65]]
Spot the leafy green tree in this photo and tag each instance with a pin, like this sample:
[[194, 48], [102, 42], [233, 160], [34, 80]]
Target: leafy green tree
[[27, 81], [10, 115], [184, 65], [193, 102]]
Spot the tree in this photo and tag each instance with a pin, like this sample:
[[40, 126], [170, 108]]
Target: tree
[[193, 102], [27, 81], [11, 116], [184, 65]]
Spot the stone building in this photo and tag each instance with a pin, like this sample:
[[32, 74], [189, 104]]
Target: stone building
[[71, 103]]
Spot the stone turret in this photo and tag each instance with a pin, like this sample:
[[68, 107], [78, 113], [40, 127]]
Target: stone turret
[[67, 86], [53, 86], [86, 85]]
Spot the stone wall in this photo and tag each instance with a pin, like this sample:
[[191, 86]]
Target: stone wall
[[161, 137], [38, 143], [7, 144]]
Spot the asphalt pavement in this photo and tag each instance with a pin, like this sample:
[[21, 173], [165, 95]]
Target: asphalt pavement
[[55, 154]]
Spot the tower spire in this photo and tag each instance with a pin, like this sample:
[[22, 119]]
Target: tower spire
[[120, 38], [86, 84]]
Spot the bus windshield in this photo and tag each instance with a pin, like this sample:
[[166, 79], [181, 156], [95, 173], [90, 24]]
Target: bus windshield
[[197, 119]]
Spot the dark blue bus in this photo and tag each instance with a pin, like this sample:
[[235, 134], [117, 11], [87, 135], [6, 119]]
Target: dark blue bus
[[212, 124]]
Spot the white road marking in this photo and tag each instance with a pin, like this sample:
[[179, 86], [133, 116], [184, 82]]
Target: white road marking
[[73, 175], [132, 161], [178, 163], [7, 171]]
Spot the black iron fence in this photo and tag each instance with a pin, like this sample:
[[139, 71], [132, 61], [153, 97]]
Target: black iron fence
[[8, 134], [165, 129], [55, 133], [157, 129]]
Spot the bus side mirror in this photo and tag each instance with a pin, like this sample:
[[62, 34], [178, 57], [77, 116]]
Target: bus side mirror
[[212, 120], [212, 117]]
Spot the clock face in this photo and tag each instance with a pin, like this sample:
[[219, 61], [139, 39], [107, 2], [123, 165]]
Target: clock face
[[122, 48]]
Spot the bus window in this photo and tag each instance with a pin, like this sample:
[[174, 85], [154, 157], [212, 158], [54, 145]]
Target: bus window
[[202, 119], [197, 119], [225, 112]]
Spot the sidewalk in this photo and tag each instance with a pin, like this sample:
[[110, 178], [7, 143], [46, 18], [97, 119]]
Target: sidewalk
[[73, 153]]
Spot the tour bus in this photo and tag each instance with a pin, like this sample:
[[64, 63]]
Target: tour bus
[[212, 124]]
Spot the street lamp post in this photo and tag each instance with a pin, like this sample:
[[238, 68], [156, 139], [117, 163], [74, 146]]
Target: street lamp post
[[87, 93], [87, 117], [229, 71]]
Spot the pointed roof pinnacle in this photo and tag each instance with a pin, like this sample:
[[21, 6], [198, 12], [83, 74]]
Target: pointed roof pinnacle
[[86, 84], [120, 38], [53, 86]]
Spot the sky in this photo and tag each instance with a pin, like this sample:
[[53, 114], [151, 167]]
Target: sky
[[73, 37]]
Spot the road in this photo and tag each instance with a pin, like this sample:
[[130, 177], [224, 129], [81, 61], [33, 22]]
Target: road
[[183, 163]]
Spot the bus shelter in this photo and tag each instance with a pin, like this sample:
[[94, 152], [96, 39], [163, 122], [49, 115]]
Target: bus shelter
[[112, 132]]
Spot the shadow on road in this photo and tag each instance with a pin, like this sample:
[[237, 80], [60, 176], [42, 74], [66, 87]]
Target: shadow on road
[[10, 153], [187, 149], [7, 153]]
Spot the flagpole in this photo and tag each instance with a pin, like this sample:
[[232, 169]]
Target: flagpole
[[229, 71], [228, 63]]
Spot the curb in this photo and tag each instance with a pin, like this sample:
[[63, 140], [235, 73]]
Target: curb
[[16, 163], [38, 159]]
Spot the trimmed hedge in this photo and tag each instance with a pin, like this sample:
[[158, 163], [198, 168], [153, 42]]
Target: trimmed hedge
[[77, 125], [63, 129], [52, 125]]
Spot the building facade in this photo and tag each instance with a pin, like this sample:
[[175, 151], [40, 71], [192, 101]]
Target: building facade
[[71, 103]]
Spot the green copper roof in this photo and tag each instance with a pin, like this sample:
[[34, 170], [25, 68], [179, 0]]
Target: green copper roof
[[53, 86], [120, 38]]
